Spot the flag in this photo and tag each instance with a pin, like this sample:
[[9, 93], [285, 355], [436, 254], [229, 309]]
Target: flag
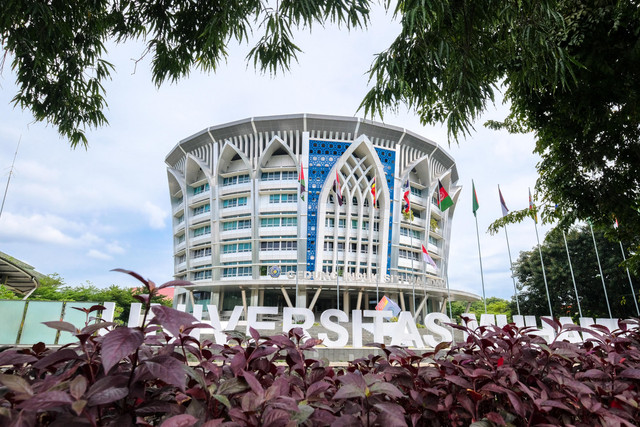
[[373, 191], [301, 181], [474, 201], [337, 188], [615, 223], [427, 258], [388, 304], [407, 192], [531, 207], [444, 201], [503, 205]]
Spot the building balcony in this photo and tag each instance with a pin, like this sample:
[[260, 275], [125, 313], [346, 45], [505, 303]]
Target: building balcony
[[200, 197], [205, 216], [180, 247], [197, 262], [178, 208], [196, 240], [235, 189], [235, 256]]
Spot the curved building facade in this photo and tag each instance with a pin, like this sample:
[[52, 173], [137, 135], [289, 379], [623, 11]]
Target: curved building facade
[[246, 234]]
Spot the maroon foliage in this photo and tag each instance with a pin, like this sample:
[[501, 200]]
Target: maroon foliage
[[158, 375]]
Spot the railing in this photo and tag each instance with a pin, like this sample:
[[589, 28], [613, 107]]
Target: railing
[[22, 321]]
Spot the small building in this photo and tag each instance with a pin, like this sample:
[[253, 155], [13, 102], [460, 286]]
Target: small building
[[18, 276]]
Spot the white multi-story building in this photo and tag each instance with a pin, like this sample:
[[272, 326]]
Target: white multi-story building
[[243, 235]]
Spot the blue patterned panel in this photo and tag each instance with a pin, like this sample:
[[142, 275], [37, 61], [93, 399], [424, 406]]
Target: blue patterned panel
[[388, 160], [322, 156]]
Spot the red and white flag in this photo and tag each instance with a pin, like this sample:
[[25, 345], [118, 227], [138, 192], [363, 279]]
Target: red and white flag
[[427, 258]]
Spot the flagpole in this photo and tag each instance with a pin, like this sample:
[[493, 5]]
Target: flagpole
[[571, 269], [481, 273], [513, 277], [604, 287], [573, 279], [544, 275], [338, 287], [10, 173], [635, 298]]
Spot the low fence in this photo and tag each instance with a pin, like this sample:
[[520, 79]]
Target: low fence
[[21, 321]]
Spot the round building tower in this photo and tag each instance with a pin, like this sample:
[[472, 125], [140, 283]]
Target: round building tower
[[245, 232]]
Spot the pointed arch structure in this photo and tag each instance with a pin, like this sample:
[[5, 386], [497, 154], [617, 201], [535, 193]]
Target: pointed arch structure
[[263, 235]]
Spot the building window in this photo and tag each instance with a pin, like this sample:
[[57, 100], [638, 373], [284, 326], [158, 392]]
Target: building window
[[342, 223], [376, 226], [354, 224], [232, 180], [364, 249], [365, 225], [329, 222], [182, 258], [180, 239], [199, 253], [201, 189], [270, 246], [410, 233], [180, 219], [340, 246], [201, 231], [236, 272], [328, 246], [289, 245], [289, 222], [290, 175], [269, 222], [434, 241], [353, 247], [236, 225], [201, 209], [416, 192], [232, 203], [270, 176], [202, 275]]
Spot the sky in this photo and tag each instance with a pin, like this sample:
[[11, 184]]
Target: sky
[[81, 213]]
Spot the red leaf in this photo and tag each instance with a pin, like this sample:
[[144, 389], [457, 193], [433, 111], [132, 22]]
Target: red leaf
[[615, 404], [183, 420], [630, 373], [16, 384], [501, 361], [168, 369], [13, 357], [174, 283], [134, 274], [56, 357], [172, 320], [109, 395], [61, 326], [118, 344], [46, 400]]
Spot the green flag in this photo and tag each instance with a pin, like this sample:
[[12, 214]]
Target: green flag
[[474, 202], [444, 201]]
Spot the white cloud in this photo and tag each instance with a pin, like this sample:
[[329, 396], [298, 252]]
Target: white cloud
[[114, 248], [155, 214], [35, 228], [94, 253]]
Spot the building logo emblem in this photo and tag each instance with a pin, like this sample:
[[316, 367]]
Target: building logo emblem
[[274, 271]]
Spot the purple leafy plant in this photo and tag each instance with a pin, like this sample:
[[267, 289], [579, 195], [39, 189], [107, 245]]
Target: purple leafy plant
[[157, 374]]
